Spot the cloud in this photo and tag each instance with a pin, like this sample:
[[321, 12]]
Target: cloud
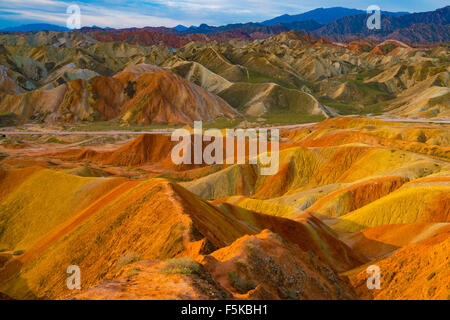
[[90, 14], [108, 18], [194, 6], [139, 13]]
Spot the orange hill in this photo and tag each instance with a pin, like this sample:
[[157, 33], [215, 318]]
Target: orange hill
[[144, 98], [261, 266], [153, 219], [417, 271]]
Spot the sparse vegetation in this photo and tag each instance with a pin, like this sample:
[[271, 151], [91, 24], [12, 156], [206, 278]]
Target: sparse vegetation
[[54, 139], [133, 272], [240, 283], [126, 260], [181, 266], [350, 190]]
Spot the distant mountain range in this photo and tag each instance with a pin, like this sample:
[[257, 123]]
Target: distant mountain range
[[429, 26], [180, 28], [323, 15], [35, 27], [310, 20], [252, 27], [341, 24], [334, 24]]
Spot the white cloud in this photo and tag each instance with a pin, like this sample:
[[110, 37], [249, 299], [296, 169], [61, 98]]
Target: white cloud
[[90, 15], [138, 13]]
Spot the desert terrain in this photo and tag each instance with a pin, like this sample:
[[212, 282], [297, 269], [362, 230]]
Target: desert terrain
[[87, 179]]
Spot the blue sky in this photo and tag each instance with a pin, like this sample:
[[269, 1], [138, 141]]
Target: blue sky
[[132, 13]]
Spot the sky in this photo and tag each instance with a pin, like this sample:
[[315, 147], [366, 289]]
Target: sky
[[132, 13]]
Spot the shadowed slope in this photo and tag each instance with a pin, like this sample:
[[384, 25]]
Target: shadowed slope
[[378, 242]]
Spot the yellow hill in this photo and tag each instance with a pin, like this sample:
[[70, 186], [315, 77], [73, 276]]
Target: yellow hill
[[409, 204]]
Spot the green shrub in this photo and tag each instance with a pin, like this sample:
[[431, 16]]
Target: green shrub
[[240, 283], [181, 266], [54, 139], [133, 272], [127, 259]]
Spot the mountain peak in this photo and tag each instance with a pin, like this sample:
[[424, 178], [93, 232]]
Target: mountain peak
[[180, 27], [322, 15]]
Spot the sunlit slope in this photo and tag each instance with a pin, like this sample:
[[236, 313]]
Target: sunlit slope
[[154, 150], [304, 199], [153, 219], [230, 181], [417, 271], [302, 169], [261, 266], [307, 232], [343, 130], [265, 266], [43, 200], [145, 149], [356, 195], [175, 279], [149, 220], [11, 179], [414, 202], [351, 136]]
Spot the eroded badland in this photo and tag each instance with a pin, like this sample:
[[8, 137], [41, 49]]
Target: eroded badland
[[363, 177]]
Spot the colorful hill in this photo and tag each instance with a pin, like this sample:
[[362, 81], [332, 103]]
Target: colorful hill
[[142, 98], [273, 77], [235, 271], [414, 202], [175, 223], [417, 271], [362, 177]]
